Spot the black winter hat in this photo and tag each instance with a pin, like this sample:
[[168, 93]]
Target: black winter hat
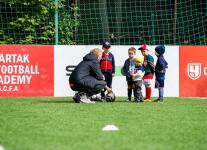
[[106, 44], [160, 49]]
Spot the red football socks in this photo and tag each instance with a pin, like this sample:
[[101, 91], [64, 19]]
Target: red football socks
[[148, 92]]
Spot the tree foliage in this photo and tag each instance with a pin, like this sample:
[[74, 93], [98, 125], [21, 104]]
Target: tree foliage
[[32, 22]]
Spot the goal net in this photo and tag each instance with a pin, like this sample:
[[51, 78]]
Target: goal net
[[126, 22]]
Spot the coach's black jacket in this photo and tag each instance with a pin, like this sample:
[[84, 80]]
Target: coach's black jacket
[[87, 72]]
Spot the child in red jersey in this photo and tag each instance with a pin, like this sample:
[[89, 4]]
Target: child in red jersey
[[149, 71], [107, 65]]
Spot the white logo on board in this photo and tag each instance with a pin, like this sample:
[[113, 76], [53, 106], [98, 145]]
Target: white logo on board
[[194, 70]]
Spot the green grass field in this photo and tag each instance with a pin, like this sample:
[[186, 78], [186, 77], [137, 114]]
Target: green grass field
[[48, 123]]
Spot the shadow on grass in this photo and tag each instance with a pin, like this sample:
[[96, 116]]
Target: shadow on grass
[[69, 101]]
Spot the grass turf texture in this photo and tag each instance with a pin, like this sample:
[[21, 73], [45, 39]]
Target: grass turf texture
[[47, 123]]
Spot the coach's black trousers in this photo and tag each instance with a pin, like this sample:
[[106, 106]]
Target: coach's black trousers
[[89, 85]]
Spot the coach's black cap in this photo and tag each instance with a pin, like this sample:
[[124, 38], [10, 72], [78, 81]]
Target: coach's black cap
[[106, 44]]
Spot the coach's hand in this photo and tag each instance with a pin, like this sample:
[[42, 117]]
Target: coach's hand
[[109, 90]]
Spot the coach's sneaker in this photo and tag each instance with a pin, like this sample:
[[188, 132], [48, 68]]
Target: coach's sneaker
[[96, 97], [85, 99], [76, 98]]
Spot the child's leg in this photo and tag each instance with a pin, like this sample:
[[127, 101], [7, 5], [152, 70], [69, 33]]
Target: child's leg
[[129, 94], [157, 85], [138, 91], [161, 89], [103, 91], [161, 93], [148, 92], [147, 83], [129, 90], [109, 79]]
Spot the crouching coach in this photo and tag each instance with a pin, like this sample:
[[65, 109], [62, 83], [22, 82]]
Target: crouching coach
[[87, 78]]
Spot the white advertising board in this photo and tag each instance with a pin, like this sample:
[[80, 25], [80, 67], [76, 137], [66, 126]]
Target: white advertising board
[[72, 55]]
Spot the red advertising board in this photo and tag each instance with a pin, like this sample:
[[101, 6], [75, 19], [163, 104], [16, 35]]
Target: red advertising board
[[193, 71], [26, 70]]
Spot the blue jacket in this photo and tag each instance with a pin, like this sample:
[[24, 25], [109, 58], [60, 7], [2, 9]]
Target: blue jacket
[[160, 68], [129, 66]]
